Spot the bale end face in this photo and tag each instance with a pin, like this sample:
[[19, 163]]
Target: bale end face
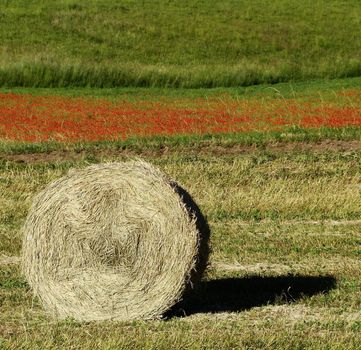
[[113, 241]]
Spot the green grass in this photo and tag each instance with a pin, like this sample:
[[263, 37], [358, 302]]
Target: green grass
[[322, 88], [285, 268], [191, 44], [187, 143]]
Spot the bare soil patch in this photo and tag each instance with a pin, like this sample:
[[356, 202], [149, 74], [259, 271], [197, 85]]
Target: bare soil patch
[[70, 155]]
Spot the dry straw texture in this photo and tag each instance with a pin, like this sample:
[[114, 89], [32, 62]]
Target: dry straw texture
[[113, 241]]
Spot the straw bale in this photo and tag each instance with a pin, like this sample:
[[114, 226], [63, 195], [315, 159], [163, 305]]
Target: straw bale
[[117, 241]]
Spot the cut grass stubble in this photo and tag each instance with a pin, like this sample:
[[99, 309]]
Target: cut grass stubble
[[273, 219]]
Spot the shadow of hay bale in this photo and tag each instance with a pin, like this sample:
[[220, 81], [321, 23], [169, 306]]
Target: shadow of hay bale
[[204, 230], [239, 294]]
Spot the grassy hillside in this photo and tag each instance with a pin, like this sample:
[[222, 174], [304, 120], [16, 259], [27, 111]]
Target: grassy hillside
[[104, 43]]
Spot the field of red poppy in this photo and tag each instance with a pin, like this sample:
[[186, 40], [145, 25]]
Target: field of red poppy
[[37, 118]]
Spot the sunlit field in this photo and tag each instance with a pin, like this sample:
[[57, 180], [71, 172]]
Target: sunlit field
[[253, 107]]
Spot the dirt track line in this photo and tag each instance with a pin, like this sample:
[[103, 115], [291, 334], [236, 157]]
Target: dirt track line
[[291, 222], [289, 314], [329, 265], [201, 148]]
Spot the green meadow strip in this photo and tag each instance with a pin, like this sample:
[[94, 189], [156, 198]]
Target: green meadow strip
[[295, 89], [256, 138], [39, 75]]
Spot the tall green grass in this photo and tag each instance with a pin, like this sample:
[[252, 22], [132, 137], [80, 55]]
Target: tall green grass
[[189, 43]]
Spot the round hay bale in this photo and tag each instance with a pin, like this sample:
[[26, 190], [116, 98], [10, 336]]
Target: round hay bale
[[114, 241]]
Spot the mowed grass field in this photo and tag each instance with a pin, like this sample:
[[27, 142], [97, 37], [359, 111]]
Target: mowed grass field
[[285, 266], [198, 44], [283, 207]]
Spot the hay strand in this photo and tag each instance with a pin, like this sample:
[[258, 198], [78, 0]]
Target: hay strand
[[114, 241]]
